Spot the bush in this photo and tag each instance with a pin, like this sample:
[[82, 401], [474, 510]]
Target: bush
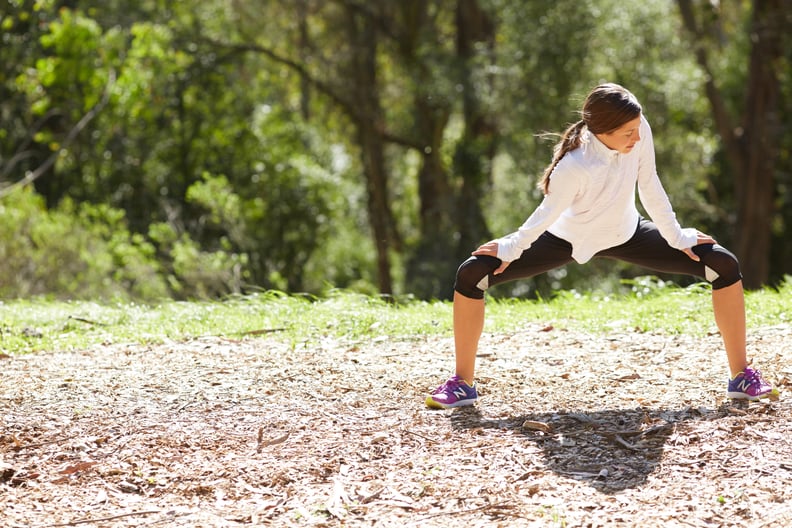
[[73, 252]]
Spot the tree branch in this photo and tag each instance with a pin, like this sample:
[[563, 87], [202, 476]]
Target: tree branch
[[21, 152], [30, 177], [723, 120], [347, 106], [322, 86]]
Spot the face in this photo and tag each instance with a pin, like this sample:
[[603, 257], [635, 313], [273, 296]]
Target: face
[[624, 138]]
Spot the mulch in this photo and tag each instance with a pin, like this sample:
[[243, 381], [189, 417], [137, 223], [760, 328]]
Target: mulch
[[619, 429]]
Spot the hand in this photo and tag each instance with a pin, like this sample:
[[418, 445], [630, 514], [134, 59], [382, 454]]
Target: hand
[[491, 249], [701, 238]]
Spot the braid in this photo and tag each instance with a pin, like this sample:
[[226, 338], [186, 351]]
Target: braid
[[570, 140]]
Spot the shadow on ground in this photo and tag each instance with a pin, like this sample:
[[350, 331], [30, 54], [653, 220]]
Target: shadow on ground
[[612, 450]]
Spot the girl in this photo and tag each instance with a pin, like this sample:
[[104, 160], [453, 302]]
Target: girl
[[589, 211]]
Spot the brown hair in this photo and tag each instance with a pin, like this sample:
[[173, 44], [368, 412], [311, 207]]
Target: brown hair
[[606, 108]]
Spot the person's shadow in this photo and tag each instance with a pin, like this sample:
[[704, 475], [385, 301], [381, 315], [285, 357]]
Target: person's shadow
[[611, 450]]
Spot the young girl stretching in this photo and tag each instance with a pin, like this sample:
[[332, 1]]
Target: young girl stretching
[[589, 211]]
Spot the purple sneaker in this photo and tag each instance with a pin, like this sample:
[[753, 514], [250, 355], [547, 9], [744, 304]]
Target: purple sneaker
[[749, 385], [453, 393]]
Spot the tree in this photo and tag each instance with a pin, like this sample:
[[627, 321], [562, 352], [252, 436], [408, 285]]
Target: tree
[[475, 152], [350, 80], [310, 144], [371, 42], [179, 118], [22, 153], [451, 195], [749, 130]]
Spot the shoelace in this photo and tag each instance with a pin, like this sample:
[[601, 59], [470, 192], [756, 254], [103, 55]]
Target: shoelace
[[448, 385], [754, 377]]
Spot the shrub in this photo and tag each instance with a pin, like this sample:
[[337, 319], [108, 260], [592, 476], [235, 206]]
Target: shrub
[[73, 252]]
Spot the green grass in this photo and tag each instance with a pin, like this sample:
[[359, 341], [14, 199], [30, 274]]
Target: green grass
[[650, 306]]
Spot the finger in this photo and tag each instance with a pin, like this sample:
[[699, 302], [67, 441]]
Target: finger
[[501, 268], [485, 251], [490, 248], [689, 253]]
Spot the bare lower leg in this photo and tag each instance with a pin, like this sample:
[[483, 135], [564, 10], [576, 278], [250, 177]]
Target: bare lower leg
[[468, 325], [728, 304]]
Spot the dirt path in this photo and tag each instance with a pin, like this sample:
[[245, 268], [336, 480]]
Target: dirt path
[[572, 430]]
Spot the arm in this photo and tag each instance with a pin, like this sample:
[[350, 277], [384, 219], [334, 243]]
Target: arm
[[565, 184], [655, 200]]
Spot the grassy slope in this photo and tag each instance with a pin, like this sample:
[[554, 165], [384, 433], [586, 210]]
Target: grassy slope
[[39, 325]]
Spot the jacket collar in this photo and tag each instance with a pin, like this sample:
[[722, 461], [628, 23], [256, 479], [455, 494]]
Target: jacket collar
[[598, 148]]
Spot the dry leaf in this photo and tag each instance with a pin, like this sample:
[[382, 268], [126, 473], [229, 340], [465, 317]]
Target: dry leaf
[[74, 468], [101, 498], [537, 426], [379, 437], [336, 506], [261, 443]]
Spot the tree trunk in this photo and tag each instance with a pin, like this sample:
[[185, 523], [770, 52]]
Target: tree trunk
[[302, 47], [372, 155], [452, 221], [431, 263], [364, 85], [755, 182], [476, 150], [752, 144]]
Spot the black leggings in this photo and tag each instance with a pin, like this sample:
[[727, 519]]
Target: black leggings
[[646, 248]]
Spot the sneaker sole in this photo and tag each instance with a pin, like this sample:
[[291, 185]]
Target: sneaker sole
[[431, 403], [772, 395]]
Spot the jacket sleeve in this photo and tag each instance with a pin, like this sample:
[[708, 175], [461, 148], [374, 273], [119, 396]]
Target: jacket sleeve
[[565, 185], [654, 198]]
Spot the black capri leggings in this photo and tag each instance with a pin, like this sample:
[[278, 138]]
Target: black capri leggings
[[646, 248]]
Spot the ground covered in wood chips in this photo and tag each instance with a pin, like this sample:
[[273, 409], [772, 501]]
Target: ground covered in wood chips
[[624, 429]]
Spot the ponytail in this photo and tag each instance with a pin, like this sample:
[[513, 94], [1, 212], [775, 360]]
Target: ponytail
[[607, 107], [570, 140]]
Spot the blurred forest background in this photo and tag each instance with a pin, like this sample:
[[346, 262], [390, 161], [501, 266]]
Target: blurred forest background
[[152, 149]]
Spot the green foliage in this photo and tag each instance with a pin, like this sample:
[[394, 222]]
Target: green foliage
[[555, 67], [73, 251], [192, 272], [218, 169], [73, 45], [178, 113], [21, 26]]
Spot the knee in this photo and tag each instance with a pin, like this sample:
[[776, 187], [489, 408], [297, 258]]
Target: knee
[[470, 274], [722, 267]]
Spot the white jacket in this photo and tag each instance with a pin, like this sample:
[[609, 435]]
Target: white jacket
[[591, 201]]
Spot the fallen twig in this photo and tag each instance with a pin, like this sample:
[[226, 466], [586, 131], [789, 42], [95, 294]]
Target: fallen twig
[[621, 441], [262, 331], [86, 321], [100, 519], [496, 506], [261, 443], [420, 436], [637, 432]]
